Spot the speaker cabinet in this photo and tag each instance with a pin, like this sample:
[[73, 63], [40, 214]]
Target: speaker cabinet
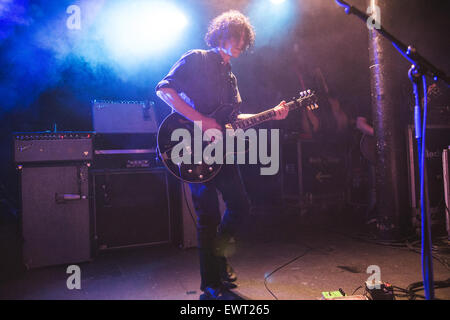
[[131, 207], [446, 177], [312, 173], [55, 215], [291, 173], [436, 141]]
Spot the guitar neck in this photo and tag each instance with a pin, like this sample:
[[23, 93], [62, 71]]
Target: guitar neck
[[264, 116], [254, 120]]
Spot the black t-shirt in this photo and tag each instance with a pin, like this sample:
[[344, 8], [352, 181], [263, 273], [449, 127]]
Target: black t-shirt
[[203, 80]]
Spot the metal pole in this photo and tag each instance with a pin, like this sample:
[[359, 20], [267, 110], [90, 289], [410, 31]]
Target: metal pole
[[389, 126]]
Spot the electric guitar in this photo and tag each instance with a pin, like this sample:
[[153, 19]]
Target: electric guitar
[[202, 171]]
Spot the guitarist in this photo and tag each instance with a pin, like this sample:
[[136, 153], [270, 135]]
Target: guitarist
[[197, 85]]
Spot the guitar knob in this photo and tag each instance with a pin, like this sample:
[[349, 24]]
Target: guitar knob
[[190, 170], [210, 168], [200, 176]]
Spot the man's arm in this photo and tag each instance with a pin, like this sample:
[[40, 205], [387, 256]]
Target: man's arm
[[280, 109], [363, 126], [171, 98]]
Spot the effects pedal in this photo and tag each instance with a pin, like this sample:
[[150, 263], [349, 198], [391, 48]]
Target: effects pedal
[[380, 290], [340, 295]]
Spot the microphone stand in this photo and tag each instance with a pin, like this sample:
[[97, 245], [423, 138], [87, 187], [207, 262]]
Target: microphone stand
[[419, 70]]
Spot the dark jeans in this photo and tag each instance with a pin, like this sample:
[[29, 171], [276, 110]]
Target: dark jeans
[[214, 232]]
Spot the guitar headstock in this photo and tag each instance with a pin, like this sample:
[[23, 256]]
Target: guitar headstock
[[308, 100]]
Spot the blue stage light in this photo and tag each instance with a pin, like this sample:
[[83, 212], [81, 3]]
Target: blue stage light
[[272, 19], [133, 31]]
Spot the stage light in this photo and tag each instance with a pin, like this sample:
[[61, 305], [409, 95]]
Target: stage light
[[133, 31], [272, 19]]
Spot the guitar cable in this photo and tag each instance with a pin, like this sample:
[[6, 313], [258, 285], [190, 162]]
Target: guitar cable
[[187, 204], [185, 197], [281, 267]]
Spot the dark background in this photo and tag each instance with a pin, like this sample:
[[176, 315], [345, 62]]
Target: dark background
[[48, 82]]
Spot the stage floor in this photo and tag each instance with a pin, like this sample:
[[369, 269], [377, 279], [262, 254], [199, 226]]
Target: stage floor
[[324, 252]]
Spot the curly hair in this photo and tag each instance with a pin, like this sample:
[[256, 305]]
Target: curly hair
[[230, 24]]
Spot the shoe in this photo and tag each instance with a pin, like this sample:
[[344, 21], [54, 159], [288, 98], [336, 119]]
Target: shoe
[[216, 293], [229, 285], [227, 274]]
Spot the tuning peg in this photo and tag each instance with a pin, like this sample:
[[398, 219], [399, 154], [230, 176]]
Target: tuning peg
[[308, 91], [316, 106]]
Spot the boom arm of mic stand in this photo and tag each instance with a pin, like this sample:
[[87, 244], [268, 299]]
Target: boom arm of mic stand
[[420, 68], [408, 52]]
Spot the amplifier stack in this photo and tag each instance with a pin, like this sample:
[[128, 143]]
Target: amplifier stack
[[130, 190], [125, 134], [82, 192], [436, 170], [53, 169]]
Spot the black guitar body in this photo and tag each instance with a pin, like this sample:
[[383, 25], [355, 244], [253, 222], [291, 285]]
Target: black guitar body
[[194, 172]]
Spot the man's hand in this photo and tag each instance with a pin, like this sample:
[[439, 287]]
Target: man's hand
[[281, 110], [363, 126], [210, 123]]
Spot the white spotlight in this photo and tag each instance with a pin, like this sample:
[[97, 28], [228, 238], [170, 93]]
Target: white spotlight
[[277, 1], [139, 29]]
